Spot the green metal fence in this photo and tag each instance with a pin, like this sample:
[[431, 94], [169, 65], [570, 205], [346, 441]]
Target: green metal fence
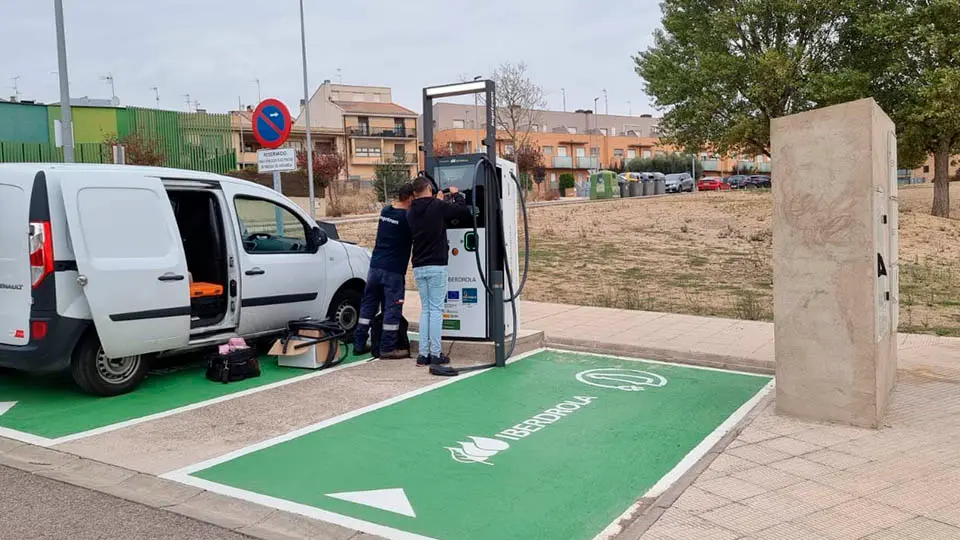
[[195, 141], [15, 152]]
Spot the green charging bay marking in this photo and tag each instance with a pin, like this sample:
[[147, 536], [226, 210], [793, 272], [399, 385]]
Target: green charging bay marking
[[53, 407], [557, 445]]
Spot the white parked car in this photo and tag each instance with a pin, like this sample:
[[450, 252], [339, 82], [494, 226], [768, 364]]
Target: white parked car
[[103, 266]]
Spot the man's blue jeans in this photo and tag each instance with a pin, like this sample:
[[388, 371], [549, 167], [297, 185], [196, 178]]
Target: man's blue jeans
[[386, 289], [432, 286]]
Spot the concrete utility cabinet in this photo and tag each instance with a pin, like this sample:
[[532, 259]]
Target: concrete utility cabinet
[[835, 263]]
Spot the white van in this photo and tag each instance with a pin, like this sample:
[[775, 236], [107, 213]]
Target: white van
[[105, 266]]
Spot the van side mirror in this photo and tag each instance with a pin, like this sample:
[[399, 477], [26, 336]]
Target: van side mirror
[[318, 237]]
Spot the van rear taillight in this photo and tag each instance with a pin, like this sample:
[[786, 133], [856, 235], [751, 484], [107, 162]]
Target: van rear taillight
[[38, 330], [41, 251]]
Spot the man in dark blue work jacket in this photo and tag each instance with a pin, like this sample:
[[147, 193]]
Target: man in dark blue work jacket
[[387, 277]]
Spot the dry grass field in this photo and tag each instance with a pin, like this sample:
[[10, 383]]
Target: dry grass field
[[710, 254]]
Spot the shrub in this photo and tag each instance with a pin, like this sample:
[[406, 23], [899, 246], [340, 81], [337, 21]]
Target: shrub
[[567, 181]]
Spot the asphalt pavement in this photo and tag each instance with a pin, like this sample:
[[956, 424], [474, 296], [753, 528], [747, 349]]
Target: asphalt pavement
[[33, 507]]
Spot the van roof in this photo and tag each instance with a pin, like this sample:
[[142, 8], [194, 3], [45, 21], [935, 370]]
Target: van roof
[[161, 172]]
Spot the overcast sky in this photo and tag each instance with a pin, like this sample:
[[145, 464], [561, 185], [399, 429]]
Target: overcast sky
[[214, 49]]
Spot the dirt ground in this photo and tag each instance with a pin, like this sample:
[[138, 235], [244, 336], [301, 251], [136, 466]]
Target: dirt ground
[[710, 254]]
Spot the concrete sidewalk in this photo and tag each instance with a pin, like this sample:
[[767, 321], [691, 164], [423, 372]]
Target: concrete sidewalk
[[778, 478]]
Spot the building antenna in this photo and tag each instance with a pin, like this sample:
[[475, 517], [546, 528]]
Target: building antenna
[[156, 91], [16, 87]]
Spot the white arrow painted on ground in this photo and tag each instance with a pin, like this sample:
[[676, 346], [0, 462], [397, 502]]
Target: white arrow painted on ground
[[6, 406], [392, 500]]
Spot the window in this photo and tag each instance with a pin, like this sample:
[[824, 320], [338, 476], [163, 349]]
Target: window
[[613, 131], [534, 128], [618, 152], [399, 149], [595, 151], [572, 130], [547, 150], [458, 124], [508, 150], [603, 131], [367, 149], [267, 227], [562, 151], [631, 153], [581, 151], [647, 154], [926, 168], [553, 178]]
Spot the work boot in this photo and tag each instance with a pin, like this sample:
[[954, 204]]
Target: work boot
[[423, 361], [360, 351], [396, 354]]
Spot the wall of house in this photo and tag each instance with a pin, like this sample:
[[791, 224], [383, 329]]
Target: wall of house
[[90, 124], [20, 122]]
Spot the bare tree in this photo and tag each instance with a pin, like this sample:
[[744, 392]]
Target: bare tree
[[519, 102]]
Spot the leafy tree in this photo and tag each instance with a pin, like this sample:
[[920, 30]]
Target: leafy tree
[[527, 157], [666, 164], [723, 70], [327, 167], [390, 176], [906, 53], [139, 149]]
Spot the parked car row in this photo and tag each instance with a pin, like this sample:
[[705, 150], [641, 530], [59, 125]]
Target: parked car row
[[743, 181], [683, 182]]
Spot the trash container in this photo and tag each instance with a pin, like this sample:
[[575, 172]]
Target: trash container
[[601, 185], [636, 187], [647, 184], [660, 184], [624, 188]]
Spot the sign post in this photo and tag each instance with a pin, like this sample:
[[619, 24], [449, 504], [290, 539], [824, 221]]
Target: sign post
[[271, 128]]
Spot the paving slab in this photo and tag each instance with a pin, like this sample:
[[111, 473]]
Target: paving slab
[[223, 511], [151, 491]]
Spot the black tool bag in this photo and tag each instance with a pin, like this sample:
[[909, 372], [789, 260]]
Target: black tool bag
[[233, 366], [309, 332], [376, 334]]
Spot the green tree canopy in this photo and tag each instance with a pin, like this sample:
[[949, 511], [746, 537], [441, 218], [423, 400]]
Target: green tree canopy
[[723, 70]]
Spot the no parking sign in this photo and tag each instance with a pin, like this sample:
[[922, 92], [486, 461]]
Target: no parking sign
[[271, 123]]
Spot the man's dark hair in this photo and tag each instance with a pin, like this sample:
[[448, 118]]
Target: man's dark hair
[[422, 184], [405, 192]]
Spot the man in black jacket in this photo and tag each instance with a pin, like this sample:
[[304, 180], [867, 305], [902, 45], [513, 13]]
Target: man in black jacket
[[428, 216]]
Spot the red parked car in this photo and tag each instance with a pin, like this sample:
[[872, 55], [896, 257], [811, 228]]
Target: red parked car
[[712, 183]]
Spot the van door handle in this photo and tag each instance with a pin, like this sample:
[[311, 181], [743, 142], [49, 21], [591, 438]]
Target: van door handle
[[255, 272], [170, 276]]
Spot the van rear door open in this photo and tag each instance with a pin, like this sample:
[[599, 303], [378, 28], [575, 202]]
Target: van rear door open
[[15, 283], [130, 260]]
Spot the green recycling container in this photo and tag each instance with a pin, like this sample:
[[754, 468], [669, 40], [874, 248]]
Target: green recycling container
[[602, 185]]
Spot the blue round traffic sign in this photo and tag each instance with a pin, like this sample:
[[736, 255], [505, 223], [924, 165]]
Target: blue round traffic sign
[[271, 123]]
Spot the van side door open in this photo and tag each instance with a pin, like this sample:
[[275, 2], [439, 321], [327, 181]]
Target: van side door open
[[130, 259]]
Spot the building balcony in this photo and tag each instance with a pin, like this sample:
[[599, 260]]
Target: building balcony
[[710, 164], [562, 162], [377, 159], [591, 162], [384, 133]]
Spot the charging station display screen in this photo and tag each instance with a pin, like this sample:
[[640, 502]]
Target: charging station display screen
[[459, 173]]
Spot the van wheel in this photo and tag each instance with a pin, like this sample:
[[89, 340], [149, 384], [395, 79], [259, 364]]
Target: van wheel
[[345, 310], [96, 374]]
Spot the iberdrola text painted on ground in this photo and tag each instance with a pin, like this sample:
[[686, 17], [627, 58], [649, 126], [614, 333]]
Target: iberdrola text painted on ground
[[480, 449]]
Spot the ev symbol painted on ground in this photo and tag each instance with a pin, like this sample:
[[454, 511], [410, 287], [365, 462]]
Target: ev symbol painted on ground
[[628, 380]]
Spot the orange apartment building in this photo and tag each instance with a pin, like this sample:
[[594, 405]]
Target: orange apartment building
[[576, 142], [360, 122]]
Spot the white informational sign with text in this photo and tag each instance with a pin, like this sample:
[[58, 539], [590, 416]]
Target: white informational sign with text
[[279, 160]]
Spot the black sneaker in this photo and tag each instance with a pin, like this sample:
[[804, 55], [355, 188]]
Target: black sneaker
[[439, 361], [360, 351], [423, 361]]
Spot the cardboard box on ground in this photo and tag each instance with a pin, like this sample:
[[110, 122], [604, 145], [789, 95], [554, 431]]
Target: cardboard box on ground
[[303, 353]]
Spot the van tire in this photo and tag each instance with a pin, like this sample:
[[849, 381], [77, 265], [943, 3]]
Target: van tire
[[345, 310], [99, 376]]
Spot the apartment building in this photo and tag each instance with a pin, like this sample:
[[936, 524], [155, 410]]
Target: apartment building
[[360, 122], [576, 142], [371, 128]]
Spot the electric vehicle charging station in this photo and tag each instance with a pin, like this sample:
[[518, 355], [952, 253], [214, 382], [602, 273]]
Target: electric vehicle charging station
[[477, 306]]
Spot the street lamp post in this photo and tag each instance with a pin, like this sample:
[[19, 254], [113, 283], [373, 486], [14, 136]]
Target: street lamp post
[[306, 104], [66, 116]]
